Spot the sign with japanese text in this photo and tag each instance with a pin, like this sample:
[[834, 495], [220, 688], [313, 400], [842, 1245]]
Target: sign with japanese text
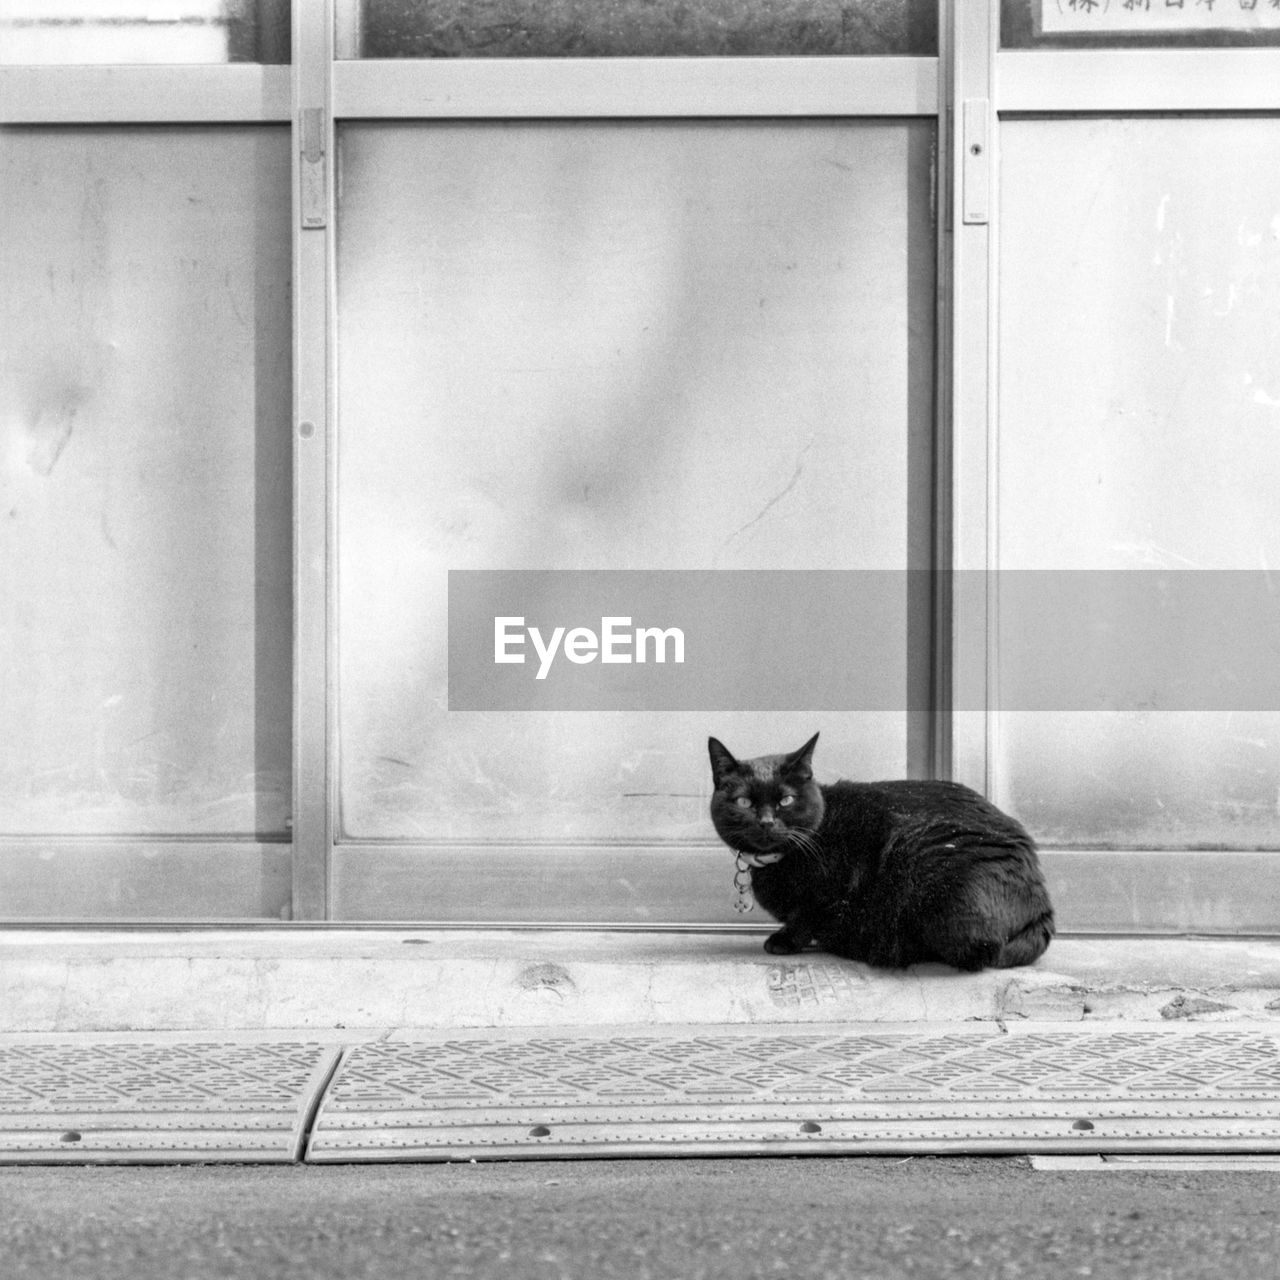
[[1148, 17]]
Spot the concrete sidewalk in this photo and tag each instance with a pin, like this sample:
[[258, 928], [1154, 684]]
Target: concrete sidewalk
[[216, 980]]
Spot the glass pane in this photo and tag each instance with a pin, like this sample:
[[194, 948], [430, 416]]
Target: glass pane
[[1164, 24], [624, 346], [37, 32], [1140, 314], [145, 525], [631, 28]]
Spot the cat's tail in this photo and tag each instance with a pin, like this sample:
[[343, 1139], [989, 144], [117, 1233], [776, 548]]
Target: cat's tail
[[1028, 944]]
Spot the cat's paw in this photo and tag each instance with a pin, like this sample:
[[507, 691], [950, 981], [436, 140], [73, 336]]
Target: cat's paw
[[783, 943]]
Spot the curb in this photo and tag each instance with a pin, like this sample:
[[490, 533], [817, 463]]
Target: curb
[[220, 980]]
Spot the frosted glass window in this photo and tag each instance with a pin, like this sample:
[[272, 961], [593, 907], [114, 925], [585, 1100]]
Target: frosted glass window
[[145, 480], [42, 32], [629, 28], [1140, 430], [624, 346]]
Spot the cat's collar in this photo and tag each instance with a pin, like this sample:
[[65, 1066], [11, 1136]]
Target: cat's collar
[[757, 859]]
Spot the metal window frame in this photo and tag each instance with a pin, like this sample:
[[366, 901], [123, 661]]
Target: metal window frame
[[967, 89], [1138, 891], [593, 884], [58, 879]]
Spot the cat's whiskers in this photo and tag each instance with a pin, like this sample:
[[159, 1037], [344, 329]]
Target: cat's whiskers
[[807, 843]]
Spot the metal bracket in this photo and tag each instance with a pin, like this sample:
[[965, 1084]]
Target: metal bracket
[[312, 175], [976, 161]]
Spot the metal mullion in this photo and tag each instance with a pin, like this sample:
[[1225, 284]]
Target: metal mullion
[[598, 88], [940, 640], [238, 93], [1139, 80], [972, 32], [312, 222]]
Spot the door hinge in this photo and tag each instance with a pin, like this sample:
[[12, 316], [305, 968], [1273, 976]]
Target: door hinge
[[313, 184]]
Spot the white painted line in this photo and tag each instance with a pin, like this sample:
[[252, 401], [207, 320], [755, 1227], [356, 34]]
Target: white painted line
[[1172, 1163]]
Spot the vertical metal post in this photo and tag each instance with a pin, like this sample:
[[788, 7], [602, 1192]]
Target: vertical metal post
[[313, 185], [348, 24], [940, 723], [969, 477]]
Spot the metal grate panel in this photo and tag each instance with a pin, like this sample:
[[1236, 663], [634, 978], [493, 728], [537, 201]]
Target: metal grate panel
[[146, 1101], [820, 1088]]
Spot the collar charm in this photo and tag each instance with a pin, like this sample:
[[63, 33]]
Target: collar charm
[[743, 899]]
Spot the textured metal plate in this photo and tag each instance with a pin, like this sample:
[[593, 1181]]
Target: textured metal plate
[[139, 1101], [678, 1090]]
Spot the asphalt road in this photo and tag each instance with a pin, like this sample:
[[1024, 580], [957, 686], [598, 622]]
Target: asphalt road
[[739, 1218]]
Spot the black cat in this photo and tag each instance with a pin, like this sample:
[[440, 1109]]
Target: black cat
[[889, 873]]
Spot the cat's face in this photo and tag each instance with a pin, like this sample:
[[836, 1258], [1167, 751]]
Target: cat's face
[[764, 808]]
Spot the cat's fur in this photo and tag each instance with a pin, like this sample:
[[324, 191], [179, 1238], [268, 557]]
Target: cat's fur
[[889, 873]]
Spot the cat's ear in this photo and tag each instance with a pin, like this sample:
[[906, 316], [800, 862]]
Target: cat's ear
[[800, 765], [722, 763]]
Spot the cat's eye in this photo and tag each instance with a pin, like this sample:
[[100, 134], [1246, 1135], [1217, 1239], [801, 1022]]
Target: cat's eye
[[785, 801], [743, 802]]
